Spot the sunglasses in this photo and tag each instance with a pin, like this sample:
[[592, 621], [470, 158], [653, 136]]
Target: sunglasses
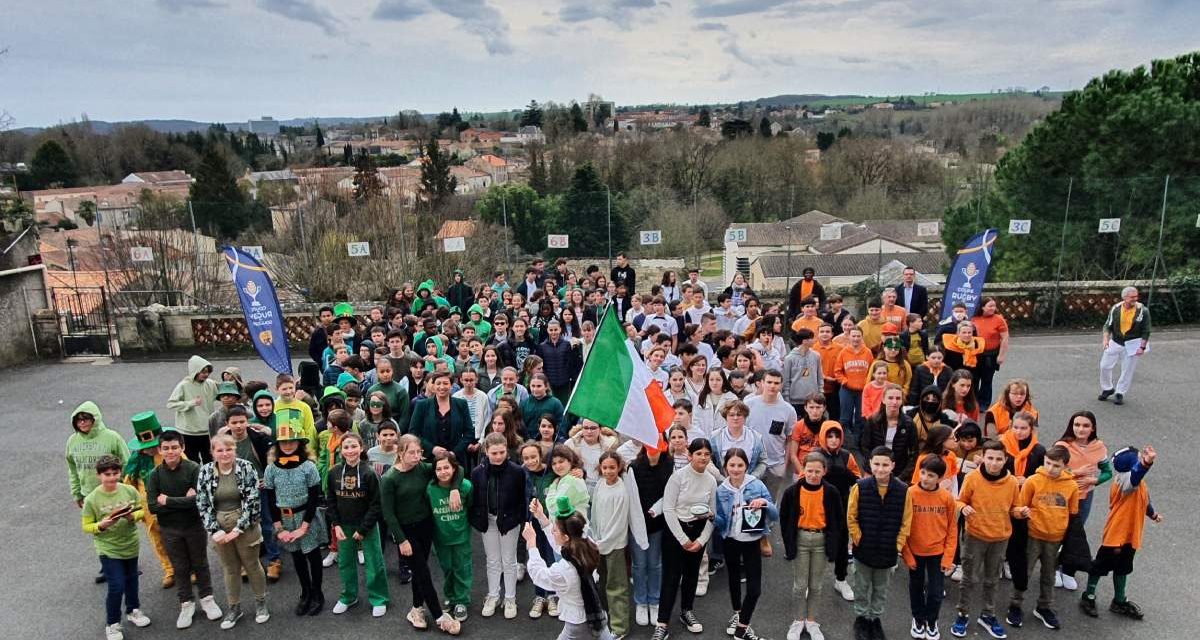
[[376, 404]]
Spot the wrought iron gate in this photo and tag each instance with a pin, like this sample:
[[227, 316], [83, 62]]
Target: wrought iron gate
[[84, 327]]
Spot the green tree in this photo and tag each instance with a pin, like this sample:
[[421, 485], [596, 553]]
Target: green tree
[[584, 215], [218, 203], [52, 167], [537, 173], [436, 182], [87, 211], [366, 177], [705, 118], [320, 136], [560, 176], [731, 129], [578, 122], [764, 128], [525, 212], [532, 116], [825, 139]]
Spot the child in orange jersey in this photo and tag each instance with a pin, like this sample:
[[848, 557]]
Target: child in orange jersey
[[939, 444], [1048, 499], [813, 524], [872, 394], [1128, 506], [989, 499], [841, 471], [929, 551], [850, 370], [1014, 398], [1025, 457]]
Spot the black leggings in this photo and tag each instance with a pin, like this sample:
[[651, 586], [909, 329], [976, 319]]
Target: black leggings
[[308, 572], [198, 448], [420, 536], [743, 556], [680, 571], [1014, 554]]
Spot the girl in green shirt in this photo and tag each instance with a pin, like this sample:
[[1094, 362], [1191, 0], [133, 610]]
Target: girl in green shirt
[[452, 532]]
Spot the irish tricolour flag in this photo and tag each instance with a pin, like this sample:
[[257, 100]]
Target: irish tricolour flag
[[617, 390]]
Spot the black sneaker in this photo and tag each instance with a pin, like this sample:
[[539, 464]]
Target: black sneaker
[[691, 622], [1127, 609], [1015, 617], [715, 566], [660, 632], [1048, 618], [877, 630], [862, 629], [745, 633], [1104, 394], [1088, 605], [1119, 399], [100, 579]]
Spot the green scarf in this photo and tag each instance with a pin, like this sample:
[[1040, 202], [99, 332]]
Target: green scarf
[[139, 467]]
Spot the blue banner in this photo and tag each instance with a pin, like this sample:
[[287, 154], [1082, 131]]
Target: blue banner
[[968, 274], [260, 306]]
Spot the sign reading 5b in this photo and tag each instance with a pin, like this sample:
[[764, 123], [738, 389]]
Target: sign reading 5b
[[558, 241], [735, 235], [651, 237]]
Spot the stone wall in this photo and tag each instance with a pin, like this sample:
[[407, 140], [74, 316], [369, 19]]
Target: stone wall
[[22, 295]]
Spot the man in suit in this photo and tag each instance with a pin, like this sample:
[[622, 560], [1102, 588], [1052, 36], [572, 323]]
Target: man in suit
[[912, 296]]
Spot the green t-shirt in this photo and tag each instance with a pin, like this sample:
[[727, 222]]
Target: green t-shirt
[[450, 527], [120, 541]]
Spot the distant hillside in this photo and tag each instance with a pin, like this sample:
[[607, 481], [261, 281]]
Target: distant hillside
[[184, 126], [818, 100]]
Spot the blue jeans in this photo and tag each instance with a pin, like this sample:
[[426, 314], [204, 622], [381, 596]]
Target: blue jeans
[[716, 548], [925, 587], [850, 415], [122, 577], [270, 546], [1085, 505], [647, 569]]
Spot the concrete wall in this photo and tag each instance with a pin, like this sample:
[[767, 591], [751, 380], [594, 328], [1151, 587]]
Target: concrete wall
[[22, 293]]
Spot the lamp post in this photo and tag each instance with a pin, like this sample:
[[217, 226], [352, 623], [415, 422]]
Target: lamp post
[[788, 287]]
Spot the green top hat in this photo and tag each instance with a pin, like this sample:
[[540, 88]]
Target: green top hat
[[228, 389], [145, 431], [562, 508], [286, 433], [344, 310]]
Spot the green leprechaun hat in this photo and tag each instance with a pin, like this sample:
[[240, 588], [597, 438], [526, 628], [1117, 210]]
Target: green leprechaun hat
[[146, 431], [285, 432], [562, 508], [344, 310]]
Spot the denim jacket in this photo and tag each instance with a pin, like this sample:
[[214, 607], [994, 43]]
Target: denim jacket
[[752, 489]]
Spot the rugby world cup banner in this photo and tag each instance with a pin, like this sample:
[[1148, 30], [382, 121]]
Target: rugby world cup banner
[[968, 274], [261, 309]]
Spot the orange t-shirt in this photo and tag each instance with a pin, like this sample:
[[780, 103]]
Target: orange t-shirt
[[828, 365], [934, 530], [812, 509], [806, 322], [806, 288], [993, 503], [896, 315], [1126, 516], [850, 367], [989, 328], [872, 397]]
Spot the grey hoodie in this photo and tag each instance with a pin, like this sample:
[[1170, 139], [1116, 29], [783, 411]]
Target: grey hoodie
[[802, 375], [192, 419]]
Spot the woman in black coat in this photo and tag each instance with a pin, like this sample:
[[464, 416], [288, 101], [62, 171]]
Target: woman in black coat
[[876, 428]]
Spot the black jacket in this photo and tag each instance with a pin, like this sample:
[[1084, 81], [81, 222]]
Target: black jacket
[[513, 353], [920, 299], [561, 361], [1076, 554], [424, 425], [352, 498], [793, 308], [462, 296], [512, 510], [835, 520], [923, 378], [317, 342], [651, 484], [874, 434]]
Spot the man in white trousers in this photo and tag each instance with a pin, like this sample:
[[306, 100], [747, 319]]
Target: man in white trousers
[[1126, 338]]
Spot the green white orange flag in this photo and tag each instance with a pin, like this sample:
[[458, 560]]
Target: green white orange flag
[[616, 389]]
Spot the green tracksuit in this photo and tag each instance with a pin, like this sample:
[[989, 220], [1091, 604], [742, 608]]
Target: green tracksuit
[[452, 541]]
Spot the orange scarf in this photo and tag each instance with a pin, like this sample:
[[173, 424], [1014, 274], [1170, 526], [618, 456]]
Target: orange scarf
[[1020, 456], [1002, 417], [969, 350]]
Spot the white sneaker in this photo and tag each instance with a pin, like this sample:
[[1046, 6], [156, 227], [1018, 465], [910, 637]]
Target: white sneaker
[[1058, 581], [510, 608], [186, 611], [552, 606], [362, 559], [113, 632], [641, 615], [210, 608], [814, 631], [957, 574], [378, 611], [1069, 582], [653, 614], [520, 573], [843, 588], [342, 607], [795, 630], [1007, 572], [261, 613], [489, 606], [138, 618], [701, 589], [330, 558], [537, 608]]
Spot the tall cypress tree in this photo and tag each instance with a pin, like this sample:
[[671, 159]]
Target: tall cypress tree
[[219, 205]]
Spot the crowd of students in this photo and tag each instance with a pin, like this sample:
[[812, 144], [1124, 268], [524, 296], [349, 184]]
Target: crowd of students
[[866, 444]]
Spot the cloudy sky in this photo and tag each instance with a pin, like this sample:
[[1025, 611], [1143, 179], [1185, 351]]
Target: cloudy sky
[[227, 60]]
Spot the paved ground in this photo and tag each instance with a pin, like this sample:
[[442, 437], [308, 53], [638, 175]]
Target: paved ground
[[49, 563]]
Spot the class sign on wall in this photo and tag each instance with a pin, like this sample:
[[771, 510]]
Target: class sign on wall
[[358, 249], [651, 237], [558, 241]]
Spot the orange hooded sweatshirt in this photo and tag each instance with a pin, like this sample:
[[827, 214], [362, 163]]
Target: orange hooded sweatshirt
[[993, 501], [1051, 502]]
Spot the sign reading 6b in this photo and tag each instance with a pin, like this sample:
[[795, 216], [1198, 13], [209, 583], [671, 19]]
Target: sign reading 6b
[[558, 241]]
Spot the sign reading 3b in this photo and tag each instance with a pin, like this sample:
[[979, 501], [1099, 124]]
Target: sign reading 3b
[[558, 241], [651, 237]]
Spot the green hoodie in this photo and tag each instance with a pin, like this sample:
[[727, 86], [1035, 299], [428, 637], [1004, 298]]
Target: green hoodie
[[441, 354], [192, 419], [483, 328], [268, 421], [84, 449], [419, 303]]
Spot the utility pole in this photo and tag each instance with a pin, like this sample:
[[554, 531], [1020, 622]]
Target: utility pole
[[1062, 249], [196, 246], [608, 200], [1162, 221], [507, 240]]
